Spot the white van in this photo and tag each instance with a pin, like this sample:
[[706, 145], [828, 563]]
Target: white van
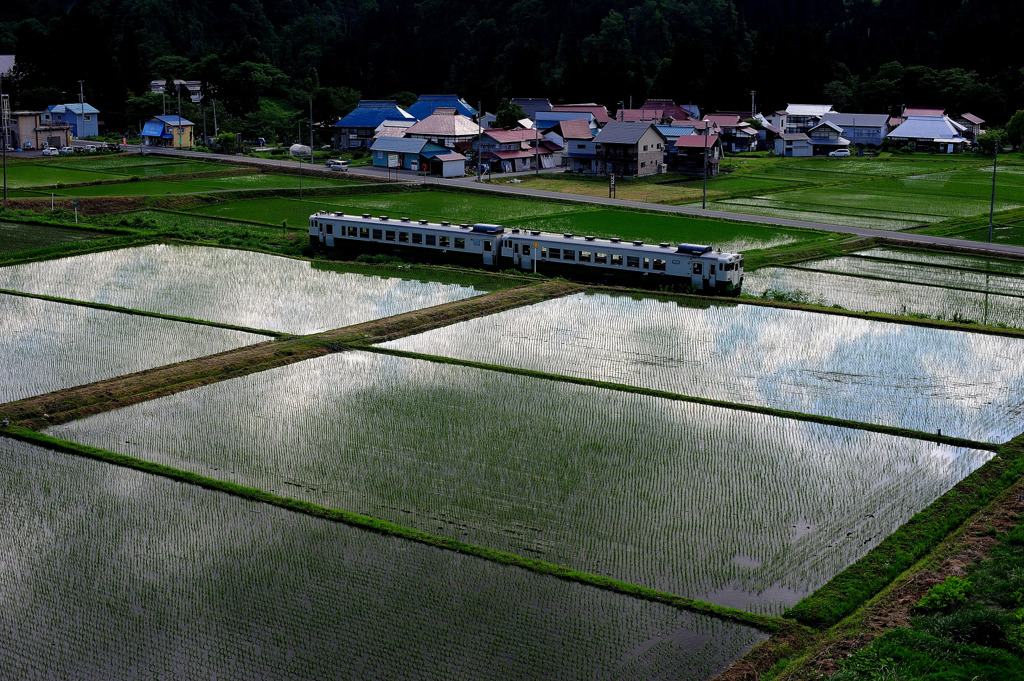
[[335, 164]]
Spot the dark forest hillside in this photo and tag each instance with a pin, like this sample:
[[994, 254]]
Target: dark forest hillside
[[265, 58]]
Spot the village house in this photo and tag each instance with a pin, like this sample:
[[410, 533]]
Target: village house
[[357, 128], [737, 135], [417, 155], [600, 113], [428, 104], [577, 141], [691, 152], [827, 137], [971, 124], [83, 118], [930, 133], [28, 130], [168, 131], [516, 150], [861, 129], [532, 105], [793, 144], [630, 149], [799, 117], [447, 127]]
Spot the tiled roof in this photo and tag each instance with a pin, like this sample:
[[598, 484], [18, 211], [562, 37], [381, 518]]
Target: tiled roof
[[859, 120], [926, 127], [532, 105], [972, 118], [723, 120], [428, 104], [796, 137], [372, 112], [923, 111], [511, 136], [450, 156], [619, 132], [444, 122], [599, 112], [576, 130], [174, 120], [695, 141], [668, 109], [808, 109]]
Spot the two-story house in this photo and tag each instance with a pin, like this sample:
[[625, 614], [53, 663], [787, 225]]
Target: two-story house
[[630, 149], [83, 118], [168, 131], [357, 128], [447, 127], [861, 129], [827, 137]]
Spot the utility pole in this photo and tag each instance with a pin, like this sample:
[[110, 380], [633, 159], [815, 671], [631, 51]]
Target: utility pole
[[753, 109], [704, 192], [992, 205], [536, 148], [310, 131], [479, 137], [5, 120], [215, 118], [178, 88], [81, 109]]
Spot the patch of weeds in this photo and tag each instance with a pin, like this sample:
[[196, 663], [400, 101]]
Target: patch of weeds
[[945, 595]]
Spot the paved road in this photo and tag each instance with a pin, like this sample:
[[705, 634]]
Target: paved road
[[523, 192]]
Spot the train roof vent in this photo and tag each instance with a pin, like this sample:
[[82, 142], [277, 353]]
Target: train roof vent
[[488, 229], [589, 238], [638, 243], [615, 240], [693, 249], [405, 219], [535, 232], [567, 235], [663, 244], [384, 217], [515, 230], [446, 224], [366, 216], [464, 225], [423, 222]]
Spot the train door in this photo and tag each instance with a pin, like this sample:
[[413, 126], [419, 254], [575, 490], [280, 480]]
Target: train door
[[525, 257], [321, 225], [711, 274], [488, 244], [697, 275]]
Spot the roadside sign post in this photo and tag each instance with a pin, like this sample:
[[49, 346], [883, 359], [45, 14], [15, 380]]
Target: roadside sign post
[[611, 185]]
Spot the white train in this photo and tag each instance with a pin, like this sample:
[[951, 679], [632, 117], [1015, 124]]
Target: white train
[[586, 257]]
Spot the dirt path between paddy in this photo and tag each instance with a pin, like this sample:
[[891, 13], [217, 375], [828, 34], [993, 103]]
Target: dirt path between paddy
[[892, 609], [74, 403]]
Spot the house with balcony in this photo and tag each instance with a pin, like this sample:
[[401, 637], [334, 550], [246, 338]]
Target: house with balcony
[[577, 140], [972, 125], [28, 130], [356, 129], [827, 137], [799, 117], [737, 135], [630, 149], [83, 118], [516, 150]]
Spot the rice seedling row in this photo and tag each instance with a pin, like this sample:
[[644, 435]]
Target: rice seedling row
[[741, 509], [921, 273], [48, 346], [953, 260], [967, 385], [111, 573], [15, 237], [769, 207], [241, 288], [199, 185], [889, 297]]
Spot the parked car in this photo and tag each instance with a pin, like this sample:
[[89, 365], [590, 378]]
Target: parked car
[[66, 150], [90, 147], [27, 146], [50, 151], [335, 164], [839, 152]]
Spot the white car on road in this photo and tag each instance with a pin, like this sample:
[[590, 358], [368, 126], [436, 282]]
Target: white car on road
[[50, 151], [839, 152]]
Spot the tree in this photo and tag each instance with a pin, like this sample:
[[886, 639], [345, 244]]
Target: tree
[[988, 141], [1015, 128], [508, 115]]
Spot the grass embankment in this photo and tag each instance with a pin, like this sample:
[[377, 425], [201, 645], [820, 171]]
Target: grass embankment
[[75, 403], [763, 622]]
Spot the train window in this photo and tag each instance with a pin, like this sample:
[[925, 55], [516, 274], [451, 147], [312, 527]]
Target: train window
[[352, 231], [659, 265], [712, 270], [403, 237], [444, 241], [543, 251], [330, 228], [487, 246], [601, 258], [364, 232], [698, 268], [460, 242], [554, 253], [647, 263], [431, 240], [515, 248], [585, 256], [378, 234], [526, 249], [675, 262], [417, 238], [389, 235], [476, 242], [632, 261], [616, 260], [568, 255]]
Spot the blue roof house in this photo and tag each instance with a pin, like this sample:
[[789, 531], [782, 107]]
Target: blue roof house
[[405, 152], [356, 130], [427, 104], [168, 131], [83, 118]]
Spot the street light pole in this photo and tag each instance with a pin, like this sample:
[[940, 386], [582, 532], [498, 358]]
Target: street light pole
[[992, 205], [704, 192], [310, 131]]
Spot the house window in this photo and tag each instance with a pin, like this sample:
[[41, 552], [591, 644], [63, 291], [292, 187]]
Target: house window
[[88, 117], [581, 146], [645, 147]]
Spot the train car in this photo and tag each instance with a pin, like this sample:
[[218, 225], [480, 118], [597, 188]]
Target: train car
[[607, 260]]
